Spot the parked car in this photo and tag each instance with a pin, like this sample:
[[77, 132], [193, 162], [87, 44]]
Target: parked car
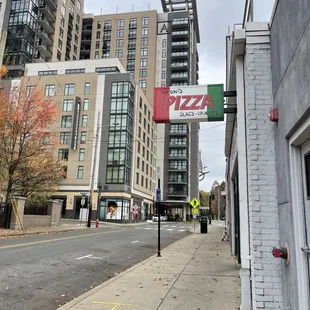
[[162, 218]]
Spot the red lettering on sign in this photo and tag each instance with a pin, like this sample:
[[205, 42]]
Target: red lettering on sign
[[189, 102]]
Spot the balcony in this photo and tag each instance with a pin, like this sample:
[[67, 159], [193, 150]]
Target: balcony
[[178, 193], [179, 76], [131, 56], [133, 25], [173, 180], [38, 59], [178, 132], [180, 33], [176, 66], [44, 50], [87, 30], [130, 67], [177, 22], [86, 39], [132, 35], [179, 54], [107, 27], [85, 50], [47, 12], [132, 46], [46, 25], [178, 144], [45, 37], [52, 4], [179, 44], [178, 156], [177, 168]]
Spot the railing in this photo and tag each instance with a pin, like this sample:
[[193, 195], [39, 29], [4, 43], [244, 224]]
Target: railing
[[46, 35], [179, 75], [177, 180], [45, 47], [174, 54], [179, 64], [179, 43], [176, 193], [179, 22], [44, 6], [177, 33]]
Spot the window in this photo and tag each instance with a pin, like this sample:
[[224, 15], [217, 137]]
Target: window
[[143, 151], [144, 41], [106, 54], [61, 33], [143, 51], [98, 35], [139, 147], [163, 75], [96, 55], [68, 105], [85, 104], [144, 122], [163, 84], [62, 22], [142, 83], [149, 118], [69, 89], [97, 45], [145, 21], [84, 120], [145, 109], [119, 43], [66, 121], [117, 175], [145, 31], [99, 25], [120, 33], [131, 54], [146, 182], [148, 126], [78, 4], [148, 142], [137, 178], [140, 103], [138, 162], [63, 154], [132, 33], [140, 117], [142, 180], [76, 39], [164, 43], [82, 155], [143, 62], [119, 53], [65, 137], [120, 23], [29, 88], [49, 90], [139, 132], [143, 73], [87, 89], [80, 172], [147, 155], [63, 10], [75, 49], [83, 137], [142, 167], [164, 54]]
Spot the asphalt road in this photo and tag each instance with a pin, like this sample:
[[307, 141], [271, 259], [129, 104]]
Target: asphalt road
[[44, 272]]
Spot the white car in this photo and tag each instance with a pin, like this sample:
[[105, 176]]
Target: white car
[[162, 218]]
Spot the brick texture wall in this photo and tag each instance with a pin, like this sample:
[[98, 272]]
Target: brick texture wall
[[262, 188]]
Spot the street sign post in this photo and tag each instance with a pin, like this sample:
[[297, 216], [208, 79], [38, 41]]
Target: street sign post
[[195, 203], [158, 195], [158, 213]]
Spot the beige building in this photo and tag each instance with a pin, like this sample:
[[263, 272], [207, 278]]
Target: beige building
[[100, 95], [130, 37]]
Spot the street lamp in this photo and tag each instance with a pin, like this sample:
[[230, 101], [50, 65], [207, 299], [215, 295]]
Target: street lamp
[[90, 208], [99, 188]]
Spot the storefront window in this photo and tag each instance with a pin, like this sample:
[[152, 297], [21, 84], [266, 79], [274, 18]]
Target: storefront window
[[114, 209]]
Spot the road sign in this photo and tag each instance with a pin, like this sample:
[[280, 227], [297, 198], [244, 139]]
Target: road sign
[[195, 211], [83, 201], [195, 203], [158, 194]]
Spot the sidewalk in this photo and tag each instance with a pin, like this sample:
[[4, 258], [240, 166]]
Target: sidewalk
[[195, 273]]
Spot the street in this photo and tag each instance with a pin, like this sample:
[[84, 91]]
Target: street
[[44, 272]]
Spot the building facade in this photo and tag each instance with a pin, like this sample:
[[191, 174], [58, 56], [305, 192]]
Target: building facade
[[267, 150], [99, 96], [5, 7], [42, 31]]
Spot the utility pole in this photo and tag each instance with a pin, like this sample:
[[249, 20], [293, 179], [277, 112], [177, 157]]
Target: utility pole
[[158, 196], [218, 202], [90, 207]]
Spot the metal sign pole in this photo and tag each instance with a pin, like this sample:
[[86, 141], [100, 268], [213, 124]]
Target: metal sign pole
[[158, 212]]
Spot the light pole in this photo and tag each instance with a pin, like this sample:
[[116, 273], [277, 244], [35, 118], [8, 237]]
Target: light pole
[[99, 188], [90, 208]]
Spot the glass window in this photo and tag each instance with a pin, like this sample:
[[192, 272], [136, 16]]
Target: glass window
[[144, 41], [145, 31], [119, 53], [97, 45], [82, 155], [67, 105], [63, 154], [163, 64], [119, 43], [163, 75], [96, 55], [61, 32], [98, 35], [137, 178], [143, 72], [83, 137], [65, 137], [69, 89], [120, 23], [50, 90], [164, 43], [142, 167], [143, 51], [59, 44], [164, 54], [78, 3], [87, 89], [142, 83], [116, 175], [85, 104], [145, 21], [142, 180], [66, 121], [99, 25], [29, 89], [138, 162], [120, 33], [63, 10], [80, 172], [84, 120], [143, 62], [146, 182]]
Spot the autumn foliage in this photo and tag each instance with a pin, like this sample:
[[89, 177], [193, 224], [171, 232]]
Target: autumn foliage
[[27, 158]]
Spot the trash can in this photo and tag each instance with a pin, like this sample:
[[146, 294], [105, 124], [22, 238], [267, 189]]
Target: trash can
[[203, 224]]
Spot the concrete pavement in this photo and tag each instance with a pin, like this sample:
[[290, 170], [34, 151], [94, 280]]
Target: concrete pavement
[[196, 273]]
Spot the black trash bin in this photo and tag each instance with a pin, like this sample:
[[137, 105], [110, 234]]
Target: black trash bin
[[203, 224]]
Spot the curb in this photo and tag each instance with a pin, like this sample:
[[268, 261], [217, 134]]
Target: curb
[[100, 286]]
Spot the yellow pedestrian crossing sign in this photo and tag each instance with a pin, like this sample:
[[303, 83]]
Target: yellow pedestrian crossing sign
[[195, 203], [195, 211]]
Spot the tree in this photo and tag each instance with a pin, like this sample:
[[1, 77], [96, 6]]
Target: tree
[[27, 162], [216, 186], [204, 198]]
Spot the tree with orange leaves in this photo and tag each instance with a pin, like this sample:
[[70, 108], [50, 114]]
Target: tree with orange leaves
[[27, 162]]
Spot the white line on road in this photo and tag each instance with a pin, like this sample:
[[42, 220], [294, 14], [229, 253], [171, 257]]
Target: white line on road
[[149, 228], [181, 230], [137, 241], [169, 229], [85, 256], [173, 226]]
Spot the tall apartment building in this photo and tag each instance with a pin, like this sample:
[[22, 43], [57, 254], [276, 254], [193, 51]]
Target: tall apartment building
[[178, 144], [42, 31], [5, 6], [92, 94], [130, 37]]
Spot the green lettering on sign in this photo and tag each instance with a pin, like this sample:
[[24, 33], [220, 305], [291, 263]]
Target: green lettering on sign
[[216, 91]]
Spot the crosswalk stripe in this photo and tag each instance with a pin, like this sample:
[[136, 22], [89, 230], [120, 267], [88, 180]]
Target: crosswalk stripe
[[181, 230]]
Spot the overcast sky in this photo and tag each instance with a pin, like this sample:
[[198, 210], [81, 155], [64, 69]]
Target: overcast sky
[[215, 16]]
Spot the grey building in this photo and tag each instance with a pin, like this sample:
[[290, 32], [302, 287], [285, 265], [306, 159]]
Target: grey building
[[178, 144]]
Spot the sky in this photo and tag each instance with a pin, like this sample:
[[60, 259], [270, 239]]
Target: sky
[[215, 16]]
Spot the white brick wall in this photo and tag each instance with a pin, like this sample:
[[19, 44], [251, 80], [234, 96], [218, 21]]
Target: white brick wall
[[262, 190]]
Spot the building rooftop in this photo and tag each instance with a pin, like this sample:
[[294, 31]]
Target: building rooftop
[[183, 5]]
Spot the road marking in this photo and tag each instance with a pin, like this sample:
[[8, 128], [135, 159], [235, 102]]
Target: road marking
[[170, 229], [173, 226], [89, 256], [59, 239], [114, 304], [137, 241], [149, 228], [181, 230]]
